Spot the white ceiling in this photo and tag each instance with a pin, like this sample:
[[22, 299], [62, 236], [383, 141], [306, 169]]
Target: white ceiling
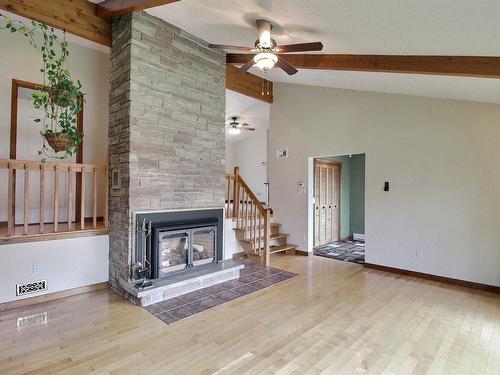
[[449, 27], [460, 88], [252, 111], [441, 27]]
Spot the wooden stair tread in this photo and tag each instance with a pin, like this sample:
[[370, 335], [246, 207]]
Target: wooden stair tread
[[248, 227], [279, 249], [271, 237], [252, 217]]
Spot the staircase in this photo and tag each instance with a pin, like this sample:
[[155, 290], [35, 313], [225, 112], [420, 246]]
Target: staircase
[[258, 234]]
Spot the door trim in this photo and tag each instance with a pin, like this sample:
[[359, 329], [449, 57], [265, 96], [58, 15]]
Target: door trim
[[319, 161]]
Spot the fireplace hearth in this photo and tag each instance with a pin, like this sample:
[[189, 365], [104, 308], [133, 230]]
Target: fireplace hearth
[[175, 242]]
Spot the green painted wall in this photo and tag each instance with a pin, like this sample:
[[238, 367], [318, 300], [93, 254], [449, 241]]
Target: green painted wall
[[357, 194]]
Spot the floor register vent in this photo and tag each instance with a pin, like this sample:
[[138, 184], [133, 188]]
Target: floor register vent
[[31, 287]]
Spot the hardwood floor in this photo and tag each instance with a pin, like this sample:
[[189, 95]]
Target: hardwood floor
[[334, 318]]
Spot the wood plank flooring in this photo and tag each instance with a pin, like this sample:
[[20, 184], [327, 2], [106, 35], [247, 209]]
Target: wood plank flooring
[[334, 318]]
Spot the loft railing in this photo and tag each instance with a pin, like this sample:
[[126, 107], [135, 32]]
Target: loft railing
[[251, 217], [65, 185]]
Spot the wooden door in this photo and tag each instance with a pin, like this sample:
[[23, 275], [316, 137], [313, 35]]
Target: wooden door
[[327, 202]]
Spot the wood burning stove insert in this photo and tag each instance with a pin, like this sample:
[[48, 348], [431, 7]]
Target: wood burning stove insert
[[178, 241]]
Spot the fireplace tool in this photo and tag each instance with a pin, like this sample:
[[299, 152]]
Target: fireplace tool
[[141, 268]]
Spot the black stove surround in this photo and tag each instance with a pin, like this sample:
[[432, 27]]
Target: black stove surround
[[177, 241]]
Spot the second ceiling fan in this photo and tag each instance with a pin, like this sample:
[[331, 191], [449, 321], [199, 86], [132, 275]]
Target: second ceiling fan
[[266, 50], [234, 127]]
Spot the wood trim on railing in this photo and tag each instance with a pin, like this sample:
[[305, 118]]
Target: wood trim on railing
[[26, 199], [42, 199], [74, 173], [94, 194], [82, 200], [20, 164], [236, 199], [251, 217], [10, 201], [56, 198], [267, 234], [106, 193]]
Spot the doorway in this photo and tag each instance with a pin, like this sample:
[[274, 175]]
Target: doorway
[[326, 201], [338, 212]]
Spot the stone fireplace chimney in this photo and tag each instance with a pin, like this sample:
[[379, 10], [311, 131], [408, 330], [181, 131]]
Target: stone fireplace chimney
[[166, 129]]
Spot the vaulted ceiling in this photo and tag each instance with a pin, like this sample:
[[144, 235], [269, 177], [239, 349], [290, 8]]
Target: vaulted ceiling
[[403, 27]]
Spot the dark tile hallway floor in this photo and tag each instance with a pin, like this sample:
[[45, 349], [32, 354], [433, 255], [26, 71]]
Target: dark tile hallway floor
[[348, 251], [252, 278]]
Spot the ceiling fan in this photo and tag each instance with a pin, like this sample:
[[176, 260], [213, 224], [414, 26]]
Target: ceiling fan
[[234, 127], [266, 50]]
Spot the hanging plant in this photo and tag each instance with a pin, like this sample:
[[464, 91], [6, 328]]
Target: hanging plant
[[59, 97]]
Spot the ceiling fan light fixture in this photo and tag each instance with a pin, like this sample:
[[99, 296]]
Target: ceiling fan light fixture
[[233, 131], [265, 60]]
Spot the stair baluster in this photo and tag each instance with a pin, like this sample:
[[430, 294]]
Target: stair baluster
[[251, 217]]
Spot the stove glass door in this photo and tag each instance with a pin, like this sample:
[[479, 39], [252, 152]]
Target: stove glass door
[[174, 249], [203, 245]]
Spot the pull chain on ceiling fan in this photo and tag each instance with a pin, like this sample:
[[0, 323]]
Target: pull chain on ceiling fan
[[266, 50]]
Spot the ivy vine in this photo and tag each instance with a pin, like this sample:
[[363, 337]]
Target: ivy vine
[[59, 97]]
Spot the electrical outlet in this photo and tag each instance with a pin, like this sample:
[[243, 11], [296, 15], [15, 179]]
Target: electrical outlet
[[419, 254], [36, 266]]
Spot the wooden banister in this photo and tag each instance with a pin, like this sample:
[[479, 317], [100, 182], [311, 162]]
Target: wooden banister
[[30, 228], [249, 214]]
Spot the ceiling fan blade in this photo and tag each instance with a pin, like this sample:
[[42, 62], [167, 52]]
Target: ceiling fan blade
[[234, 48], [286, 66], [245, 126], [264, 32], [244, 68], [300, 47]]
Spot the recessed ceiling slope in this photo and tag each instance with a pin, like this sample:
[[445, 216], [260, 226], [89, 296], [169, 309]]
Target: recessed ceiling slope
[[384, 27], [397, 27]]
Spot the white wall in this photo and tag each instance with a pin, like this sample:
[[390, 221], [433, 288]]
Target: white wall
[[250, 154], [440, 156], [229, 159], [89, 65], [231, 243], [65, 264]]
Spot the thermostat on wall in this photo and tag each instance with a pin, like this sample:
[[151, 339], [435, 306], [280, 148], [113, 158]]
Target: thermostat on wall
[[282, 153]]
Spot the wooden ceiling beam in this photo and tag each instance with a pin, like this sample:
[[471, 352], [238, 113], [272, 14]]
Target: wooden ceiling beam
[[77, 17], [467, 66], [249, 84], [109, 8]]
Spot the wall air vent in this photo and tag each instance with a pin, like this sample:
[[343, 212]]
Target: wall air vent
[[32, 287]]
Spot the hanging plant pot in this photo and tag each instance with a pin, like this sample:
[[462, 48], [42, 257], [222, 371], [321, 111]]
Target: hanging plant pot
[[58, 141], [62, 98]]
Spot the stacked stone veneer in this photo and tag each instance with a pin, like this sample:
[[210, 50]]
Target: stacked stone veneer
[[166, 130]]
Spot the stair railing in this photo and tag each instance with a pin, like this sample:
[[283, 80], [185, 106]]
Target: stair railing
[[250, 215]]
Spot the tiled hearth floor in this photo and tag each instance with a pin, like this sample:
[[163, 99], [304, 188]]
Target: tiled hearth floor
[[252, 278], [348, 251]]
